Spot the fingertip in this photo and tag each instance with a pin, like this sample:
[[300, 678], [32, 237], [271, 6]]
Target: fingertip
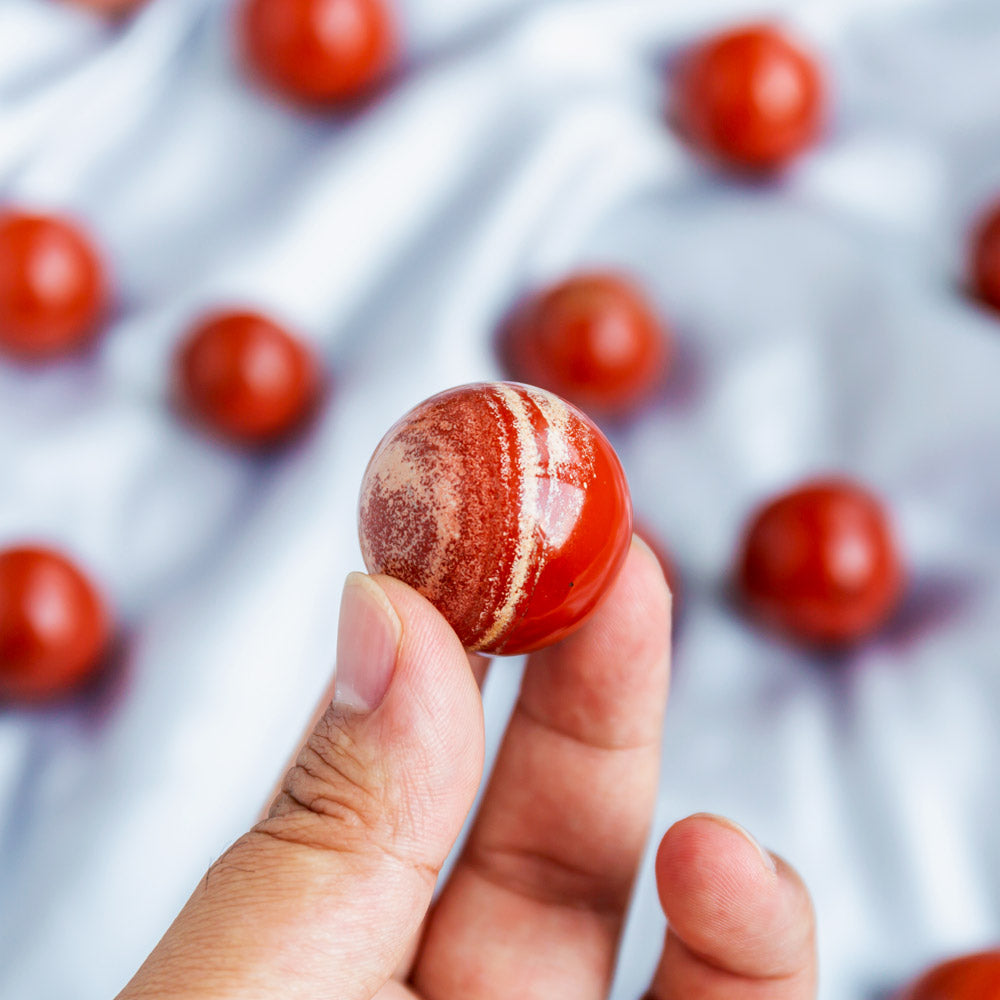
[[646, 552], [704, 837], [633, 617], [368, 639], [728, 898], [426, 632], [706, 857], [642, 552], [609, 680], [426, 635], [434, 696]]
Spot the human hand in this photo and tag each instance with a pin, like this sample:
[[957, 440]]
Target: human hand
[[329, 896]]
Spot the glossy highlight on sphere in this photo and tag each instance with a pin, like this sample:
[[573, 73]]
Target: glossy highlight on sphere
[[984, 263], [750, 98], [820, 563], [53, 293], [318, 51], [504, 506], [245, 377], [54, 627], [972, 977], [592, 339]]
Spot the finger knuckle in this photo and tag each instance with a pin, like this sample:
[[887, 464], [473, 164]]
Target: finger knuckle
[[339, 782], [552, 880]]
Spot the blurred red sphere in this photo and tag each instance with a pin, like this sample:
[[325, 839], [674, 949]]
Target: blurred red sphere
[[114, 8], [750, 98], [820, 563], [985, 258], [318, 51], [245, 377], [592, 339], [54, 627], [53, 293], [972, 977]]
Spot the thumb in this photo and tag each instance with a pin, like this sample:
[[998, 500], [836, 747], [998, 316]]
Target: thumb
[[322, 897]]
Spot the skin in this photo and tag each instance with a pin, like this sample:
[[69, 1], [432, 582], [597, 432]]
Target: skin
[[329, 896]]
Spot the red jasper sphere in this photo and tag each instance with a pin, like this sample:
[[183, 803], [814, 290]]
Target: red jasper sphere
[[821, 564], [750, 98], [52, 286], [973, 977], [247, 378], [318, 51], [984, 261], [54, 627], [504, 506], [593, 339]]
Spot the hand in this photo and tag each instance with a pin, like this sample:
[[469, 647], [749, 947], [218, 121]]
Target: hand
[[328, 897]]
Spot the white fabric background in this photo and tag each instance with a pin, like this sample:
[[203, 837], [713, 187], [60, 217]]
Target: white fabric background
[[820, 326]]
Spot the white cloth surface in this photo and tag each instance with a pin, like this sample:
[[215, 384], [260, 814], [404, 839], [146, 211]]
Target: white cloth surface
[[820, 328]]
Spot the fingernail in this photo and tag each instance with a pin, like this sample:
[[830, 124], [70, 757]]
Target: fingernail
[[729, 824], [640, 543], [367, 643]]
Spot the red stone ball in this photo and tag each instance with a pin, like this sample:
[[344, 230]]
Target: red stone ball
[[593, 339], [246, 378], [972, 977], [750, 98], [54, 626], [318, 51], [53, 290], [820, 563], [504, 506], [984, 263]]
